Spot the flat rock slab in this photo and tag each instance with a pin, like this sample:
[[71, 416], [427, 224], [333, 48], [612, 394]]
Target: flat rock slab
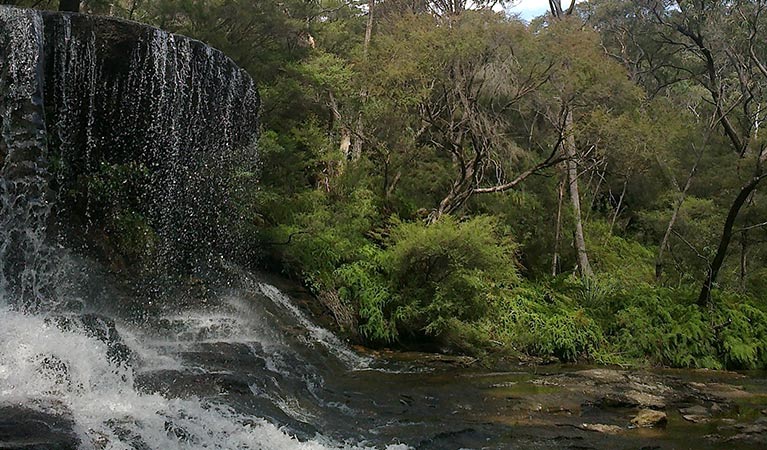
[[601, 428]]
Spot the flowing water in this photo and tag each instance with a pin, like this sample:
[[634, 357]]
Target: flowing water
[[221, 358]]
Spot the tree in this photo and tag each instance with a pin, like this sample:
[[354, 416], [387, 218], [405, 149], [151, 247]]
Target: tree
[[571, 152], [459, 81], [584, 79], [721, 37]]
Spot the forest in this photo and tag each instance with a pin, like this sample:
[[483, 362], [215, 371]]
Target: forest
[[443, 175]]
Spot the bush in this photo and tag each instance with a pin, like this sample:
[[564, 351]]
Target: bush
[[666, 327], [663, 327], [423, 279], [446, 271], [740, 326]]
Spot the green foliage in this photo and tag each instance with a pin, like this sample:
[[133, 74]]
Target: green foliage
[[445, 271], [134, 237], [363, 283], [538, 321], [422, 280], [323, 234], [741, 331], [654, 324], [624, 260], [113, 196]]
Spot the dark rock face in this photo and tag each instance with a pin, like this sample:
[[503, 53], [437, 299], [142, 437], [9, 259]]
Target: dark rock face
[[22, 428]]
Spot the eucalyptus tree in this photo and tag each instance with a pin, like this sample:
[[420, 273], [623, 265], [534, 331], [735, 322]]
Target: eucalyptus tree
[[719, 46], [454, 85], [584, 79]]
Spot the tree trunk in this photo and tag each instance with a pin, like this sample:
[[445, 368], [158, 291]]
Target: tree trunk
[[575, 196], [620, 205], [743, 259], [595, 193], [724, 241], [368, 28], [346, 137], [69, 5], [672, 221], [356, 151], [558, 232]]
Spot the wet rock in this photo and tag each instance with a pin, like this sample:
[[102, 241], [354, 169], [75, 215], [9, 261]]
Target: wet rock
[[135, 441], [55, 369], [759, 426], [22, 428], [101, 328], [603, 375], [695, 414], [719, 391], [528, 360], [632, 399], [649, 418], [601, 428], [695, 418], [104, 329]]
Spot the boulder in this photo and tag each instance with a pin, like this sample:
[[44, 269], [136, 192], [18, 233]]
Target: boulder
[[23, 428], [695, 414]]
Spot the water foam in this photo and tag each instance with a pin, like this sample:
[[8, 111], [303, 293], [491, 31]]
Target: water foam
[[68, 372]]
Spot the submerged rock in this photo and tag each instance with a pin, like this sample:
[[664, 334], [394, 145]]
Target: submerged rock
[[696, 414], [632, 399], [603, 375], [601, 428]]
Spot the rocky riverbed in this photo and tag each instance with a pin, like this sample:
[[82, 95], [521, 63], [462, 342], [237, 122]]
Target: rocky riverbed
[[446, 407]]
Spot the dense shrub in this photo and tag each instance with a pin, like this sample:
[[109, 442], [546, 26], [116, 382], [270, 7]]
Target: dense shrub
[[426, 277], [447, 270], [457, 282]]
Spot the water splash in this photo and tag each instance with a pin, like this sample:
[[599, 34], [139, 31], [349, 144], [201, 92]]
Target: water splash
[[66, 370], [83, 95], [319, 335]]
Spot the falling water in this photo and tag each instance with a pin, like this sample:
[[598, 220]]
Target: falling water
[[218, 357], [166, 108], [24, 207]]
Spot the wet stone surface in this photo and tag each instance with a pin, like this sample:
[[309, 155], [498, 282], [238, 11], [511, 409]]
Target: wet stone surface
[[24, 428]]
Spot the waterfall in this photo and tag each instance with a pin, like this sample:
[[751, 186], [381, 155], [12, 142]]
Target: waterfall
[[87, 100], [24, 205], [165, 108]]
